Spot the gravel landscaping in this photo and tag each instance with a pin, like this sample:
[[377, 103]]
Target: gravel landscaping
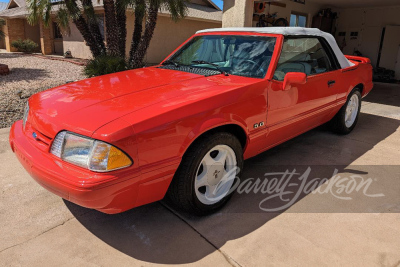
[[29, 75]]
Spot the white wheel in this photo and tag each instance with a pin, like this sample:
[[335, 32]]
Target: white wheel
[[204, 180], [346, 118], [351, 110], [215, 174]]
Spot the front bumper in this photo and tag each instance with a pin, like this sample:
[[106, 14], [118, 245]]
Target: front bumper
[[111, 192]]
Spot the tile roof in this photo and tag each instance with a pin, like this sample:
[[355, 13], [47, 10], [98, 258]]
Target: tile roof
[[14, 12], [20, 3], [3, 5]]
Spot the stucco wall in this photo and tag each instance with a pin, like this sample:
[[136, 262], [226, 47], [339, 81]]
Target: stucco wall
[[75, 43], [237, 13], [240, 13], [168, 35]]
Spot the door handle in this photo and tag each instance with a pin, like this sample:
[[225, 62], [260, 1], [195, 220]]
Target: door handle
[[331, 83]]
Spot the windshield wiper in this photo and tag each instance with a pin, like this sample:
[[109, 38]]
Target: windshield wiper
[[212, 64], [171, 62]]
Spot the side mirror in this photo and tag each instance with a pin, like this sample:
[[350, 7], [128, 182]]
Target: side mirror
[[293, 78]]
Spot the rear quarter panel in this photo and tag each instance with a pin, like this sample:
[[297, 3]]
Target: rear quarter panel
[[359, 73]]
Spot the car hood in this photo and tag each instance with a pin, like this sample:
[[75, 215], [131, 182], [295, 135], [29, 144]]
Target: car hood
[[86, 105]]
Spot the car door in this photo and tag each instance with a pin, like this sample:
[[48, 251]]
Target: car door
[[303, 106]]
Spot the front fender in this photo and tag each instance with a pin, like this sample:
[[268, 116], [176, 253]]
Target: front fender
[[209, 123]]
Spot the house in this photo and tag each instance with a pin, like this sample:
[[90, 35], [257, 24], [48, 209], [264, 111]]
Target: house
[[168, 35]]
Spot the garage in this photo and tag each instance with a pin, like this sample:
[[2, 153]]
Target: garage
[[362, 28]]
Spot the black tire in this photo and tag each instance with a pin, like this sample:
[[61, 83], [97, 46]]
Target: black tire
[[181, 191], [338, 124]]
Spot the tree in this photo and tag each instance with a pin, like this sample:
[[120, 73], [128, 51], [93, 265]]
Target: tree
[[93, 24], [120, 17], [140, 10], [81, 13], [140, 42], [111, 27]]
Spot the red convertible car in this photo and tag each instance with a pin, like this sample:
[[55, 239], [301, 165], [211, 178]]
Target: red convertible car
[[183, 128]]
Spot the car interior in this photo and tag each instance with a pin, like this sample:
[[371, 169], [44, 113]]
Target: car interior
[[302, 55], [238, 55]]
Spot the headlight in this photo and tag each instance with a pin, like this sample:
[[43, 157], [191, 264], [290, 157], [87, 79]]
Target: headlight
[[25, 118], [88, 153]]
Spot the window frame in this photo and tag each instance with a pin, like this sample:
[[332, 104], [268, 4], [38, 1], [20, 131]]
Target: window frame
[[325, 45], [297, 14]]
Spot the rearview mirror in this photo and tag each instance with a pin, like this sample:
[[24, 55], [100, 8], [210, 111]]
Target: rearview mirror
[[293, 78]]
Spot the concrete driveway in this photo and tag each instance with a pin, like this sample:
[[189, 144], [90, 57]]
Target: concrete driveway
[[40, 229]]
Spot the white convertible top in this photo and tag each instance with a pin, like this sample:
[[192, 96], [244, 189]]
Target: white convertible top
[[343, 61]]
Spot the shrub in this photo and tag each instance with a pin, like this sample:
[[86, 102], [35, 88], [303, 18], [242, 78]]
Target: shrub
[[105, 64], [27, 46]]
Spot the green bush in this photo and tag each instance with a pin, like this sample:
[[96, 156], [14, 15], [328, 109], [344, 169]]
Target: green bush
[[105, 64], [27, 46]]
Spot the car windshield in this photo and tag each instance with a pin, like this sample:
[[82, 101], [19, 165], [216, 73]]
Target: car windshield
[[242, 55]]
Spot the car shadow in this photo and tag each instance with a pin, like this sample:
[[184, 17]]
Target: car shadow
[[385, 93], [157, 233]]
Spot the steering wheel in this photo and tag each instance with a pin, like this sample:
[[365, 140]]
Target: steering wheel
[[247, 61]]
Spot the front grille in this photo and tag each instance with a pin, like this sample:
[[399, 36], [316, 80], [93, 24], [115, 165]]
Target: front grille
[[42, 138], [42, 141]]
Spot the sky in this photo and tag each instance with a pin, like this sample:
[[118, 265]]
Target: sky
[[217, 2]]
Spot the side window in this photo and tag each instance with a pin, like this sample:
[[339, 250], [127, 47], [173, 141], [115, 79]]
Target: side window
[[305, 55]]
